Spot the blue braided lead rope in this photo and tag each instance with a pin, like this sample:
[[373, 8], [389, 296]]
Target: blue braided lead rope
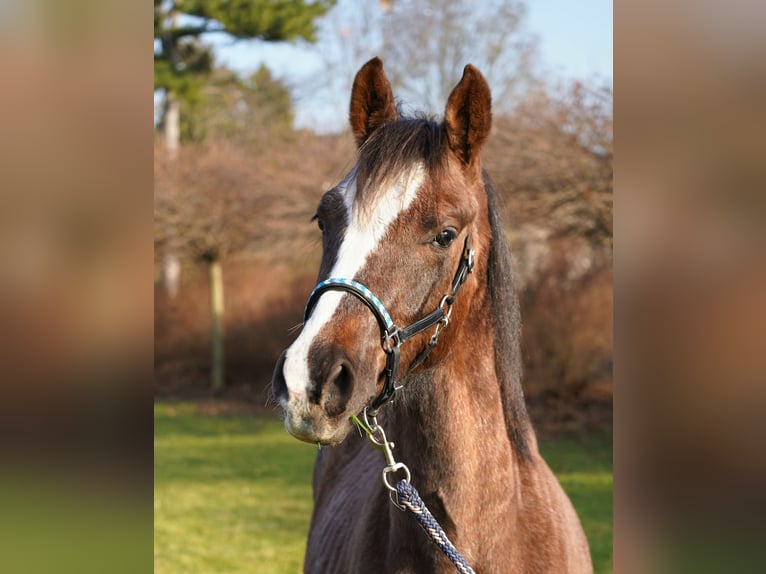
[[410, 499]]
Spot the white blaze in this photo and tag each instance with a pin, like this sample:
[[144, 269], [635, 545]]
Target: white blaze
[[364, 232]]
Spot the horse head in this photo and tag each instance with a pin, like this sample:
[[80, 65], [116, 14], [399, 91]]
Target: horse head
[[400, 234]]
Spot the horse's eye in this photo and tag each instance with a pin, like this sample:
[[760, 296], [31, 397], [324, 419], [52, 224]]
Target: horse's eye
[[445, 237], [320, 223]]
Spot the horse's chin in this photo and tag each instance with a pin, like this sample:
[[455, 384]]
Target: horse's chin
[[325, 434]]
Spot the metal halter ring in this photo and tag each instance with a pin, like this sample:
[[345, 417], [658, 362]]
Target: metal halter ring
[[391, 340]]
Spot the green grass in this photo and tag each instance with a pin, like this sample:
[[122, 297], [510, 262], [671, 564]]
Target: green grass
[[233, 493], [584, 469]]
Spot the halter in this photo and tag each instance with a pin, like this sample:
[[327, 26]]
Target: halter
[[392, 336]]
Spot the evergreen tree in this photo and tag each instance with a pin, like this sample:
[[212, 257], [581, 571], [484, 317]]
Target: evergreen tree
[[252, 112]]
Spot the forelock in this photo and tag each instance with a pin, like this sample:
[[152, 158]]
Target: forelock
[[396, 150]]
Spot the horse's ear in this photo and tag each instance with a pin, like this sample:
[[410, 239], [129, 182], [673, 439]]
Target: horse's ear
[[468, 115], [372, 101]]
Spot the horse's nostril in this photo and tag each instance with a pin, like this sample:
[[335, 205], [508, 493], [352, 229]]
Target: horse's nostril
[[342, 380], [337, 390], [278, 383]]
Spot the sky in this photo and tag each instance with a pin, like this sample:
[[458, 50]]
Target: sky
[[575, 42], [575, 37]]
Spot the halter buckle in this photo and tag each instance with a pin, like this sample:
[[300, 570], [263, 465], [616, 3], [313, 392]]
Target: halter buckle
[[446, 304]]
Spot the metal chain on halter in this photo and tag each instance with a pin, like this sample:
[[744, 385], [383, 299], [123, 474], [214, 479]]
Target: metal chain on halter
[[405, 496]]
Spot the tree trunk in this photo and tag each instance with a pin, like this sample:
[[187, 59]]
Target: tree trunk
[[216, 325], [171, 133], [171, 274], [172, 124]]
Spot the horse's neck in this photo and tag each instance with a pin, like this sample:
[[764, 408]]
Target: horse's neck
[[451, 430]]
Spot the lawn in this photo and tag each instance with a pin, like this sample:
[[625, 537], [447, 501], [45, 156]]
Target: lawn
[[233, 492]]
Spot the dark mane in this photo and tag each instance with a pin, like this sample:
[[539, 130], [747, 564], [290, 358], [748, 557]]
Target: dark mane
[[506, 318], [395, 147]]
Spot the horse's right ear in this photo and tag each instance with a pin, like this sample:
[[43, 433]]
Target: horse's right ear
[[372, 101]]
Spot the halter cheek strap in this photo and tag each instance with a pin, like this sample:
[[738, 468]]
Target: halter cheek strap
[[392, 336]]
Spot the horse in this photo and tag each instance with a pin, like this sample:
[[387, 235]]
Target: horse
[[412, 233]]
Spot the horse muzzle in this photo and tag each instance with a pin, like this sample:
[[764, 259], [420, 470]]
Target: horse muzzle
[[320, 412]]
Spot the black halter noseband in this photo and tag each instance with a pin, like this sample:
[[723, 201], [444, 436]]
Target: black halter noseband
[[392, 336]]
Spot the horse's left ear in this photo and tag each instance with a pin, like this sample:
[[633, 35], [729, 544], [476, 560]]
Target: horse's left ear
[[468, 115]]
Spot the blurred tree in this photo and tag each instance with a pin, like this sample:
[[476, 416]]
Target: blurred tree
[[183, 63], [217, 202], [202, 203], [553, 160], [425, 45], [252, 112]]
